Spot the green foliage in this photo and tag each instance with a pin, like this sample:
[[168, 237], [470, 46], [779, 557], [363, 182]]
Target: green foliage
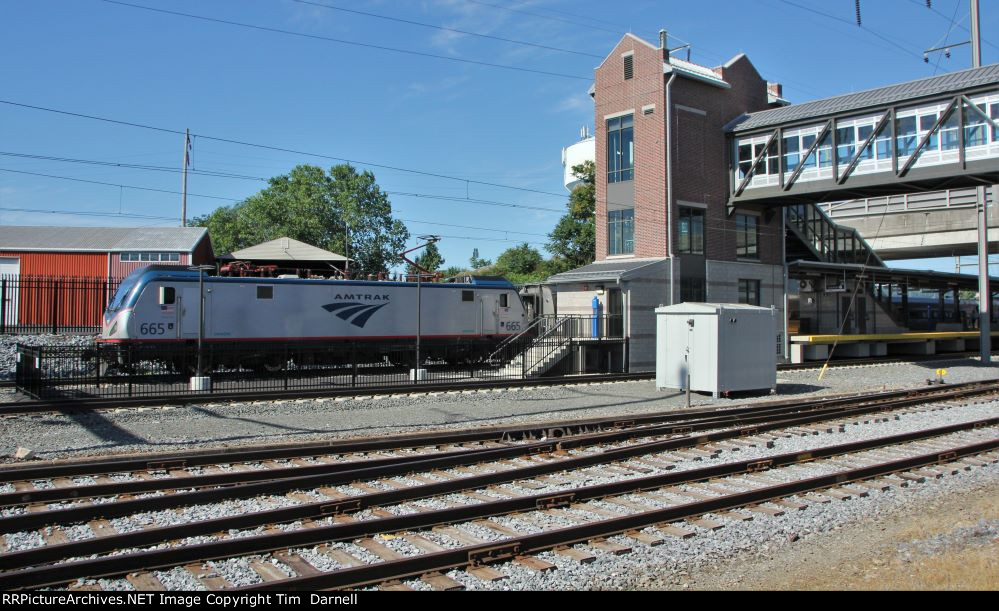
[[574, 238], [430, 259], [318, 208], [452, 271], [476, 262], [522, 259]]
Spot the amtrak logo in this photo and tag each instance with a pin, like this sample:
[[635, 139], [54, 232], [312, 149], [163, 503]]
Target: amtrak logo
[[355, 313]]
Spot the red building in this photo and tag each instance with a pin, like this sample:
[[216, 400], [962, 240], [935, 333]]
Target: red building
[[62, 276]]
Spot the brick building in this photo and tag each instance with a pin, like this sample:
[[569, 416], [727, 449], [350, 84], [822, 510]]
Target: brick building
[[664, 233]]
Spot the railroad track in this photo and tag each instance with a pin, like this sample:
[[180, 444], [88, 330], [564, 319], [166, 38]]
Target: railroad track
[[351, 498], [74, 405]]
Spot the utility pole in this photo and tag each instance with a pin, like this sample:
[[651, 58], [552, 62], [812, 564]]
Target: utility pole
[[183, 180], [984, 294]]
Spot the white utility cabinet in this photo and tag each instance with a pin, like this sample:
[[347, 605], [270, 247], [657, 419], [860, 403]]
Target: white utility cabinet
[[725, 347]]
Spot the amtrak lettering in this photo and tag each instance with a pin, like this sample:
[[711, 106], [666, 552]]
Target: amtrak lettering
[[360, 297], [354, 312]]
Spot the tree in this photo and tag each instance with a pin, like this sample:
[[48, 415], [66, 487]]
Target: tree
[[430, 259], [477, 262], [522, 259], [341, 211], [574, 238]]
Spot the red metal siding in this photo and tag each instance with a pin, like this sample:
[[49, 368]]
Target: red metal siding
[[64, 264], [203, 252]]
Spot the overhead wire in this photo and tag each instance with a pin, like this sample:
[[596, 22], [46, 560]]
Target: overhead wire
[[279, 149], [445, 28], [346, 42]]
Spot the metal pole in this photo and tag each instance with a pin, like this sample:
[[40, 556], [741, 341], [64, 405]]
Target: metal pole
[[183, 185], [201, 317], [984, 294], [419, 323]]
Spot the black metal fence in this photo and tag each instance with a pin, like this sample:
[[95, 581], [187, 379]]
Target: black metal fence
[[52, 304], [108, 371]]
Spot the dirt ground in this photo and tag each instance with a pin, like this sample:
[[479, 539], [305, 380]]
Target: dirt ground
[[931, 547]]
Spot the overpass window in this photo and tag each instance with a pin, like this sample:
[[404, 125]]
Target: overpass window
[[974, 131], [949, 137], [926, 123], [863, 133], [620, 149], [747, 236], [791, 153], [845, 144], [906, 133], [691, 230], [621, 232], [995, 118], [883, 144], [749, 292]]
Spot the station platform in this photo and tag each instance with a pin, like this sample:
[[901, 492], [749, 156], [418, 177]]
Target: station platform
[[816, 347]]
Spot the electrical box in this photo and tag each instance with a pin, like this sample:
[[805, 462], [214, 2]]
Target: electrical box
[[722, 347]]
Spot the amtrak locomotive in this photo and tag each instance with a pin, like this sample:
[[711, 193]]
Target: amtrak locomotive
[[160, 305]]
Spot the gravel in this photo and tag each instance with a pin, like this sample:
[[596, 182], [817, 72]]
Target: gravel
[[8, 347], [194, 425]]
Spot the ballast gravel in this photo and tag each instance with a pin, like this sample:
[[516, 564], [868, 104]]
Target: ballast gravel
[[215, 423]]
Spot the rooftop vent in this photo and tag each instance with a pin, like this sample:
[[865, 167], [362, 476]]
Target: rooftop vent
[[629, 66]]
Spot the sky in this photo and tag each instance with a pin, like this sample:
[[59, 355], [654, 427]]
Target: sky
[[459, 107]]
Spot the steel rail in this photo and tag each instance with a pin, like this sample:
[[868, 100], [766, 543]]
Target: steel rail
[[550, 429], [582, 439], [531, 544], [81, 513], [107, 566]]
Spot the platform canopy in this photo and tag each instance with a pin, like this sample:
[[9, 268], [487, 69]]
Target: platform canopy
[[289, 254]]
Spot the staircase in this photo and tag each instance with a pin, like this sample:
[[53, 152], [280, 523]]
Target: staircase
[[820, 239], [534, 351]]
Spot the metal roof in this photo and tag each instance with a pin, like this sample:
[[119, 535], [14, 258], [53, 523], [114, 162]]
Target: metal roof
[[607, 270], [100, 239], [286, 249], [872, 98], [884, 274]]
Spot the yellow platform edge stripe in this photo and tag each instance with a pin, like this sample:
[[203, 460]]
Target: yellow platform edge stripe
[[828, 339]]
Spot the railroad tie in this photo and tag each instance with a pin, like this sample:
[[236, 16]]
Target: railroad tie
[[579, 555], [207, 577], [300, 565], [674, 530], [379, 549], [706, 523], [441, 582], [534, 563], [341, 557]]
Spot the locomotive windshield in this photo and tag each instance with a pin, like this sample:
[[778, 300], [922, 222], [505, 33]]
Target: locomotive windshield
[[126, 287]]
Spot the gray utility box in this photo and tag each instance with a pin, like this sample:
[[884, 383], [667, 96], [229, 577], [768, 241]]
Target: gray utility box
[[725, 347]]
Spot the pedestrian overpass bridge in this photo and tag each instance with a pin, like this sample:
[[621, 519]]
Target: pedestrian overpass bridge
[[932, 134]]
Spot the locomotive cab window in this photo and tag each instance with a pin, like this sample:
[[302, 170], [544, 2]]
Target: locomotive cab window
[[265, 292], [168, 295], [468, 295], [503, 300]]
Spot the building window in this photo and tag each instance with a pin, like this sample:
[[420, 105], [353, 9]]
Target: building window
[[749, 292], [691, 225], [693, 289], [620, 148], [747, 236], [621, 232], [149, 256]]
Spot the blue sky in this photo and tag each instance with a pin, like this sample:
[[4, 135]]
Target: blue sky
[[464, 120]]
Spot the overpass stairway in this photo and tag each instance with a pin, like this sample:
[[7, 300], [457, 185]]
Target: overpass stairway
[[813, 235]]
